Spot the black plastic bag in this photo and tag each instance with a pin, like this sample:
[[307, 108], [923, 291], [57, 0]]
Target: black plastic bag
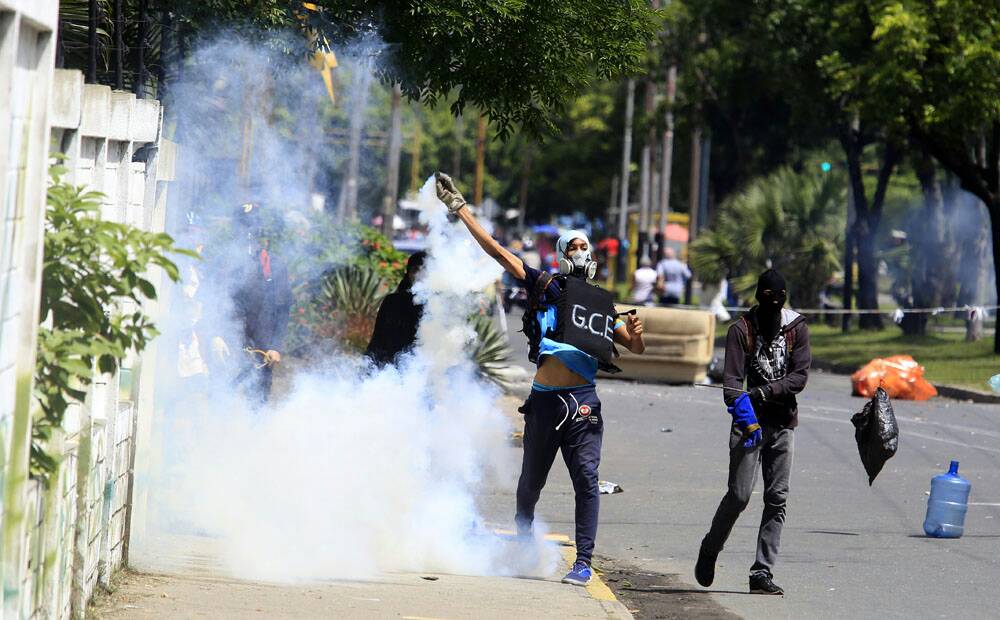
[[876, 432]]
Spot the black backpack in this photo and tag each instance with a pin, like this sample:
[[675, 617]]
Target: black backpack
[[529, 322]]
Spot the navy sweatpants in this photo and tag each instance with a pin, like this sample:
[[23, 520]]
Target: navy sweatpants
[[568, 420]]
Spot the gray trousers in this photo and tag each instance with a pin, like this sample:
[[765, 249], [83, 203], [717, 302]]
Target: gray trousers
[[774, 457]]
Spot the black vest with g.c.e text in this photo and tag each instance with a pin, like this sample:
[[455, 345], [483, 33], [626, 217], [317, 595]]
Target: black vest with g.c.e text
[[585, 319]]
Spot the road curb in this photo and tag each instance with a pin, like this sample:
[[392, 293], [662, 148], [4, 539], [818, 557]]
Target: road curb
[[948, 391], [597, 589]]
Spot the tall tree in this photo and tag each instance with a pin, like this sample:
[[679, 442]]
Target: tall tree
[[392, 165], [786, 220], [519, 62], [940, 61], [784, 68]]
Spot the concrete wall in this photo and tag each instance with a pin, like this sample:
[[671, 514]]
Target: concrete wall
[[27, 51], [60, 541]]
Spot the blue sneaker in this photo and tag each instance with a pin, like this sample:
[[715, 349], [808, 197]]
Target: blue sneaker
[[579, 575]]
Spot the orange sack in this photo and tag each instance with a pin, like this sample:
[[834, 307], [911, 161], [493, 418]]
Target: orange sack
[[900, 376]]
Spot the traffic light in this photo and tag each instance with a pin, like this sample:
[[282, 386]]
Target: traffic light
[[825, 166]]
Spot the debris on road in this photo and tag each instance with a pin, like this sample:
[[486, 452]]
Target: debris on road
[[666, 430], [608, 488], [876, 432], [900, 375], [994, 382], [429, 577]]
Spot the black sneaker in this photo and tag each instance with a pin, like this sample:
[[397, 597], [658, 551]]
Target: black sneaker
[[762, 584], [704, 569]]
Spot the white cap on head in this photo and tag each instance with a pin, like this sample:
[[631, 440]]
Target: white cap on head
[[568, 236]]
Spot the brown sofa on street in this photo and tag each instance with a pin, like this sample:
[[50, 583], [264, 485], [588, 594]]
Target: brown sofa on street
[[679, 345]]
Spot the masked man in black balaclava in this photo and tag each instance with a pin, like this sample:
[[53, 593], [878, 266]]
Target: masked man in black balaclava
[[398, 318], [262, 299], [768, 348]]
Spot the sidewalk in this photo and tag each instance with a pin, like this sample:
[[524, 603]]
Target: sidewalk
[[417, 597]]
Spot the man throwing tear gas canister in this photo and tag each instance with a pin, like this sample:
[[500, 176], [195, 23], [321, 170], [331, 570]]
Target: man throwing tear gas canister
[[572, 327], [768, 347]]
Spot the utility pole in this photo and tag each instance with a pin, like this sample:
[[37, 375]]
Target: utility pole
[[667, 159], [522, 198], [418, 138], [392, 165], [613, 199], [626, 166], [456, 156], [694, 193], [480, 159], [359, 100], [646, 169]]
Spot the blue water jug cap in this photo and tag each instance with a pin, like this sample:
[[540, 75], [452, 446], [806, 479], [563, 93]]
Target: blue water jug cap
[[953, 470]]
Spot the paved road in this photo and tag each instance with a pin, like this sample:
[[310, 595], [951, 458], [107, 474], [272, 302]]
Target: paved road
[[848, 550]]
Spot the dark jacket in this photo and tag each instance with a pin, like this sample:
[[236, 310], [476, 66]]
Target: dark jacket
[[781, 409], [262, 304], [395, 327]]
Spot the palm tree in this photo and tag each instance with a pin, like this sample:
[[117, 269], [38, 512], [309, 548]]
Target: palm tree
[[490, 351], [786, 220], [74, 32]]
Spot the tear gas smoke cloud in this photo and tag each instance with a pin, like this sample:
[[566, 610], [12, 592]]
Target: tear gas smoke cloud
[[355, 471]]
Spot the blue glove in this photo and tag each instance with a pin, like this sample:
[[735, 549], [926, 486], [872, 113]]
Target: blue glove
[[746, 420]]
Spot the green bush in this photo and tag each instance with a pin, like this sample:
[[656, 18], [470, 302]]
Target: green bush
[[92, 271], [332, 255], [343, 311]]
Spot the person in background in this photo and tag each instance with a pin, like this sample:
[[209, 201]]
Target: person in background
[[398, 318], [672, 275], [643, 281], [262, 300]]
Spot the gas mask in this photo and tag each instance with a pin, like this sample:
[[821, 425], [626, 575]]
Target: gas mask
[[578, 264]]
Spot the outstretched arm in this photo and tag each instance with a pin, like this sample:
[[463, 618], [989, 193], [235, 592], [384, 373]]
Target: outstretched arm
[[452, 198], [507, 260]]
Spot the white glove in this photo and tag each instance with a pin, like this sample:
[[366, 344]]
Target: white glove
[[448, 193]]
